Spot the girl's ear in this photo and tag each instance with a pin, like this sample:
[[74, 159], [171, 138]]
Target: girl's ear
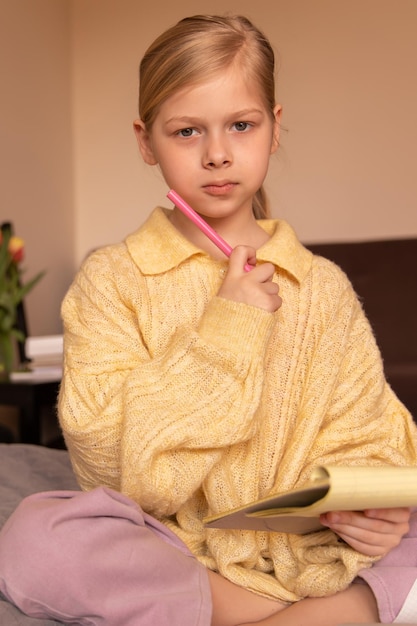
[[144, 142], [276, 128]]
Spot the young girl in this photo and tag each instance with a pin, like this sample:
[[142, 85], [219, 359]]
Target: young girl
[[193, 386]]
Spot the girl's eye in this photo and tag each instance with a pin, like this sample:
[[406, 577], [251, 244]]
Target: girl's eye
[[186, 132], [241, 126]]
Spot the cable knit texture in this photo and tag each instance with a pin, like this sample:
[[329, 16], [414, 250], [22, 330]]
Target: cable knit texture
[[192, 404]]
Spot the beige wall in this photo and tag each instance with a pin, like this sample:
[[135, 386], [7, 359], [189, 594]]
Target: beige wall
[[346, 168], [35, 147]]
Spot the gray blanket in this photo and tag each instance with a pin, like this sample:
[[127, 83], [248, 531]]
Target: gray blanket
[[26, 469]]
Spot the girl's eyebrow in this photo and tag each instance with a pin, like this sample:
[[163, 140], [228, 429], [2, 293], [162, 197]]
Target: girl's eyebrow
[[191, 120]]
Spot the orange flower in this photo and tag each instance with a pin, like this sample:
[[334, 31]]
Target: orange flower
[[12, 292], [16, 249]]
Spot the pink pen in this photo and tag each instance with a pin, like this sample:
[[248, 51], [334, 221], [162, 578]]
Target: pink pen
[[202, 225]]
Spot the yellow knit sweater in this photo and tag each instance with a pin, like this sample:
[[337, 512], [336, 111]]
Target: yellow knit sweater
[[192, 404]]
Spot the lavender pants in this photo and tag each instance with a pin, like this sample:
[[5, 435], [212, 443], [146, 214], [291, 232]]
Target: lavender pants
[[96, 559], [393, 580]]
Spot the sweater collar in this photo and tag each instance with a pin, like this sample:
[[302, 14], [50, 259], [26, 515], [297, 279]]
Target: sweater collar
[[158, 246]]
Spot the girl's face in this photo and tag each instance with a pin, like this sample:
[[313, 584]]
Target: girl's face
[[212, 142]]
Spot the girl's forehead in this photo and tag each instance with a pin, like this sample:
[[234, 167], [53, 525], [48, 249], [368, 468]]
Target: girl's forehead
[[222, 86]]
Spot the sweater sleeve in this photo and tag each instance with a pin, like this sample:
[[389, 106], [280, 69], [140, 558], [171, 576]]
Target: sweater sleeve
[[348, 416], [154, 425], [362, 419]]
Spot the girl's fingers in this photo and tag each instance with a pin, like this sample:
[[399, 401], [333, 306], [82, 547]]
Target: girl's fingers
[[241, 256], [397, 515], [254, 287], [372, 532], [371, 518]]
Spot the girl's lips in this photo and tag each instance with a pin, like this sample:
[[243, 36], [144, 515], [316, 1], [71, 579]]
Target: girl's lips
[[220, 189]]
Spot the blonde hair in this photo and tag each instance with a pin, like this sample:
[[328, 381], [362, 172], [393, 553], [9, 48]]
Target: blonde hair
[[195, 49]]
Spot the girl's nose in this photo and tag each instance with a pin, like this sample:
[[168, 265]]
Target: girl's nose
[[217, 153]]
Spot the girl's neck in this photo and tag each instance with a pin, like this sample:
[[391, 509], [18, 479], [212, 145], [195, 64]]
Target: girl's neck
[[236, 230]]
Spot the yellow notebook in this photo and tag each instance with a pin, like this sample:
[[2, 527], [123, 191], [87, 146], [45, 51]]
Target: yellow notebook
[[330, 488]]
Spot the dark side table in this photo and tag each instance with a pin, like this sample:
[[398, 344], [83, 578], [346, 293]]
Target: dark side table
[[30, 396]]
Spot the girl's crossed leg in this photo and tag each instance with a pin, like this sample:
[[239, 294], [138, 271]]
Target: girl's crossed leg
[[236, 606]]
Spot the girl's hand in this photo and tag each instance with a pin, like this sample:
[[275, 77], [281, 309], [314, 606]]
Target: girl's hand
[[373, 532], [255, 287]]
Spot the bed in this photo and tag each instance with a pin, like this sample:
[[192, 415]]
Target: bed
[[26, 469]]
